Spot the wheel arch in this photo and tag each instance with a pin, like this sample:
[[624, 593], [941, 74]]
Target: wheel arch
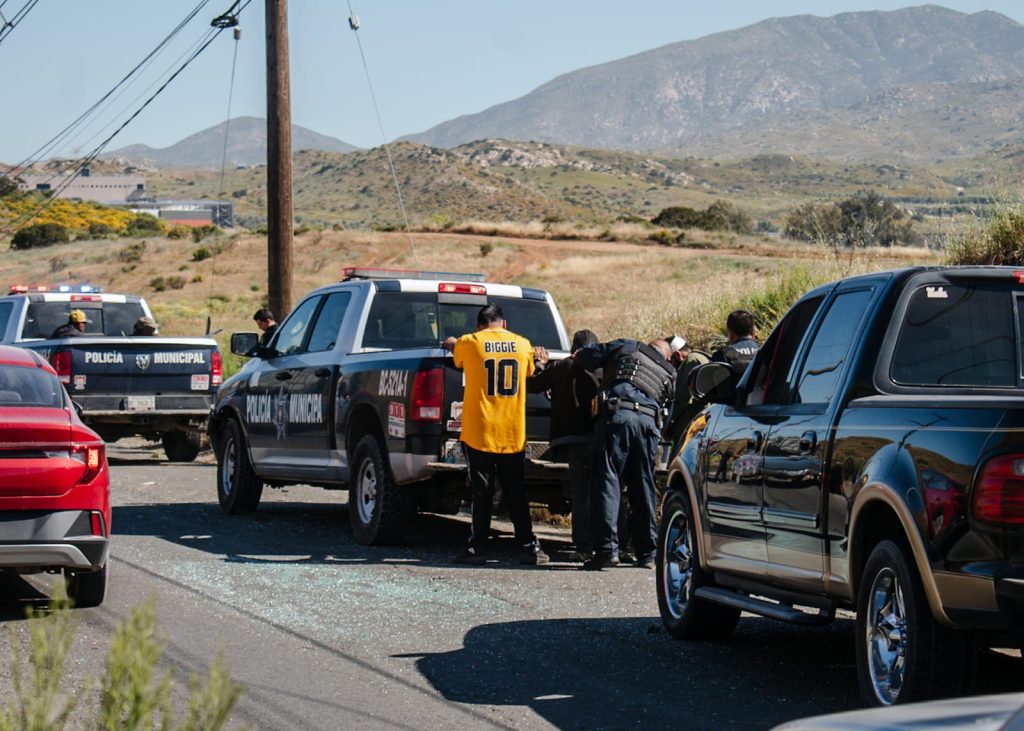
[[362, 420], [680, 482], [879, 513], [217, 422]]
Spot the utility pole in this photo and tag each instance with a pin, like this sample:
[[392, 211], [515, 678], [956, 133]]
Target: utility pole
[[279, 161]]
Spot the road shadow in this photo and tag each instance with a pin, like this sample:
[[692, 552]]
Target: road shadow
[[628, 673], [314, 533], [17, 596]]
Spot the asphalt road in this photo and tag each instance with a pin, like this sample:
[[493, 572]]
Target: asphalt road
[[327, 634]]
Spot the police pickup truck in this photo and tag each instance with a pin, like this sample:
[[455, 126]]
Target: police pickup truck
[[871, 458], [354, 392], [155, 387]]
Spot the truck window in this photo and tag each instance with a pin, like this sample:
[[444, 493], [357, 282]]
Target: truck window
[[824, 364], [107, 318], [328, 322], [5, 315], [957, 334], [417, 320], [768, 382], [293, 332]]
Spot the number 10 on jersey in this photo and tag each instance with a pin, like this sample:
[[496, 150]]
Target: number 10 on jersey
[[502, 377]]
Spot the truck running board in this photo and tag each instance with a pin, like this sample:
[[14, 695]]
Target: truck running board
[[763, 607]]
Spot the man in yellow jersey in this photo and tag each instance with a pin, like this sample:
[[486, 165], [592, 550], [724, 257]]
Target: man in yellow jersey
[[496, 364]]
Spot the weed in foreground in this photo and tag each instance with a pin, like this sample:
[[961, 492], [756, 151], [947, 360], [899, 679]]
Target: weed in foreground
[[131, 695]]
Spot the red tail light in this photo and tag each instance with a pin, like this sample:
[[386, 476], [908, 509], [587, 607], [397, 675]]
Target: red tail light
[[91, 455], [62, 364], [454, 288], [999, 491], [427, 395], [216, 369], [97, 524]]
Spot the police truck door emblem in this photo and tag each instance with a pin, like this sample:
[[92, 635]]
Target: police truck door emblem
[[280, 418], [142, 361]]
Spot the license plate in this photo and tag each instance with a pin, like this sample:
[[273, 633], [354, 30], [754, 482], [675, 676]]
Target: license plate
[[201, 382], [141, 403]]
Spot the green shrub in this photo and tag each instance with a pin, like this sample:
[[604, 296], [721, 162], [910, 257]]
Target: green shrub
[[201, 254], [486, 248], [132, 252], [201, 232], [144, 225], [131, 695], [40, 234], [1001, 243], [179, 232], [159, 284], [8, 186], [866, 219], [101, 231], [175, 282], [719, 216]]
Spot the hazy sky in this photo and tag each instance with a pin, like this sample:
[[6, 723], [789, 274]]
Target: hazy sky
[[429, 61]]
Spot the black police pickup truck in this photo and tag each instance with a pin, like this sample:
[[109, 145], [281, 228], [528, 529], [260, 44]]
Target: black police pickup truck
[[870, 458], [354, 392], [155, 387]]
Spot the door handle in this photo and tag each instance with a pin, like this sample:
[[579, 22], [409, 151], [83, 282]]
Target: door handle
[[284, 376], [808, 442], [754, 442], [322, 372]]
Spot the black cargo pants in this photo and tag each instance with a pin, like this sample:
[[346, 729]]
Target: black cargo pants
[[510, 472], [625, 443]]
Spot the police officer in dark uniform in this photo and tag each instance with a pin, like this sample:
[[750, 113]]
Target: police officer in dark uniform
[[265, 321], [637, 390], [742, 347]]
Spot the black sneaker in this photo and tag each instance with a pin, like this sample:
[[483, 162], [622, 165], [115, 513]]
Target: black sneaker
[[644, 562], [600, 562], [533, 555], [470, 556]]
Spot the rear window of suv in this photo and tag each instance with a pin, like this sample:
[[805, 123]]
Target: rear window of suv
[[417, 320], [958, 334]]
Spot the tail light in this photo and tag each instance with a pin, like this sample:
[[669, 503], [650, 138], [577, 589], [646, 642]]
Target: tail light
[[216, 369], [999, 491], [91, 455], [98, 526], [62, 364], [427, 395]]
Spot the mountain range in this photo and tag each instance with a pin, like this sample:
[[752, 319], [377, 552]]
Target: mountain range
[[247, 145], [917, 84]]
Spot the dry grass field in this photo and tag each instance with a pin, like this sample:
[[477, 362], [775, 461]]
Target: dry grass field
[[613, 288]]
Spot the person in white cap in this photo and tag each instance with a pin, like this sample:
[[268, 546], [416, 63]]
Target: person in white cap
[[685, 359]]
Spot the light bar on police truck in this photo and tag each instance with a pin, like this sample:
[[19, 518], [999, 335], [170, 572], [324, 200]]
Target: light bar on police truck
[[379, 273], [62, 288]]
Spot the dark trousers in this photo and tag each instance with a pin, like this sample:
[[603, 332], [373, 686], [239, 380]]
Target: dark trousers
[[510, 472], [625, 444], [577, 456]]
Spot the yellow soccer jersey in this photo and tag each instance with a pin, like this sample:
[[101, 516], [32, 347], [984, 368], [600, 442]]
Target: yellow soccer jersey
[[496, 364]]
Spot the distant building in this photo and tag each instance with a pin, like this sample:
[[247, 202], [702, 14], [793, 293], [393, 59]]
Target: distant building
[[188, 212], [109, 189]]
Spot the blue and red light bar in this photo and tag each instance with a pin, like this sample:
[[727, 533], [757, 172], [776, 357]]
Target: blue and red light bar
[[61, 288], [379, 273]]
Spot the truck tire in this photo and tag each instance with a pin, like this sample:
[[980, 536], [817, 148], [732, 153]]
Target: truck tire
[[380, 511], [86, 588], [903, 653], [238, 488], [679, 574], [182, 446]]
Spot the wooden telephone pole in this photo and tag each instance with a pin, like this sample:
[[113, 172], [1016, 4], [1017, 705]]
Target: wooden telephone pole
[[279, 161]]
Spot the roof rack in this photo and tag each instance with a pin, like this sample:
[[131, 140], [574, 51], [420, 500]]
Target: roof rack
[[350, 273]]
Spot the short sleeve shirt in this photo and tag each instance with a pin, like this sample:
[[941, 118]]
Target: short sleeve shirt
[[496, 364]]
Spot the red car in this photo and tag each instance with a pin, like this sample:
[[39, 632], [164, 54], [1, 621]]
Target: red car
[[54, 481]]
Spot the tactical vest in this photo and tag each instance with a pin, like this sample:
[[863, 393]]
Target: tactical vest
[[646, 368]]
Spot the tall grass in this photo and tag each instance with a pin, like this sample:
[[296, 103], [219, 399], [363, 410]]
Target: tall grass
[[130, 695], [1000, 242]]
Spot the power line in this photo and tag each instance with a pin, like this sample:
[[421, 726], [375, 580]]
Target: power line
[[91, 157], [8, 25]]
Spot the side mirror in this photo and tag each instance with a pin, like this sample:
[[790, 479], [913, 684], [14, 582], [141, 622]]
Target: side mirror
[[714, 382], [244, 343]]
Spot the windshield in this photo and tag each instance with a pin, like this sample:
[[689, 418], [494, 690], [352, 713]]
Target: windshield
[[105, 318], [417, 320], [21, 386]]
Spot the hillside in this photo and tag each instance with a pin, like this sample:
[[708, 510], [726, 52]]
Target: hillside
[[496, 180], [758, 81], [247, 145]]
